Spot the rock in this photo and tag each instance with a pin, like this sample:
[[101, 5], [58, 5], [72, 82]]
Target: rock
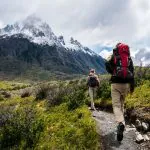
[[139, 138], [133, 126], [145, 126], [130, 129], [146, 138], [138, 124], [94, 114]]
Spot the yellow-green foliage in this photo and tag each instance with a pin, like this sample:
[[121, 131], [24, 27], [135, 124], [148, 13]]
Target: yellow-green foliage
[[140, 97], [29, 124], [8, 85], [104, 103], [5, 85], [68, 130]]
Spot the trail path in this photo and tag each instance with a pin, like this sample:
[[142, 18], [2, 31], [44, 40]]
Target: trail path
[[106, 129]]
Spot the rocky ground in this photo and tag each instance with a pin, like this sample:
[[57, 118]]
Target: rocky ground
[[106, 128]]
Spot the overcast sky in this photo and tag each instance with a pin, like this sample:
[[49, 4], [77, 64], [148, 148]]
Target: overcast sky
[[92, 22]]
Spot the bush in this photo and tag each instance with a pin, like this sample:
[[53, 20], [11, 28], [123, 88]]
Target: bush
[[57, 95], [69, 130], [1, 98], [76, 98], [104, 91], [141, 96], [42, 92], [6, 94], [26, 93], [20, 128]]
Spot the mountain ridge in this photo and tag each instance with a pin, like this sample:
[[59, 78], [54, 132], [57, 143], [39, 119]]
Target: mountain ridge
[[40, 32], [27, 45]]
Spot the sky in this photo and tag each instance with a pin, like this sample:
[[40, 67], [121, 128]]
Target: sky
[[95, 23]]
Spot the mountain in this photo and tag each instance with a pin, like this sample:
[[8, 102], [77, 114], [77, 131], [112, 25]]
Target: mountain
[[31, 44], [142, 57]]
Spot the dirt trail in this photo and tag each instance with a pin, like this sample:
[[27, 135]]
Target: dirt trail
[[106, 129]]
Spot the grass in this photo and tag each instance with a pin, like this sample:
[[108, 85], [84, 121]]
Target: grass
[[26, 123], [9, 85], [69, 130]]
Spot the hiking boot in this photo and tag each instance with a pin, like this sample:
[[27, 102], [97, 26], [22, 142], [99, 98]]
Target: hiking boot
[[92, 108], [120, 130]]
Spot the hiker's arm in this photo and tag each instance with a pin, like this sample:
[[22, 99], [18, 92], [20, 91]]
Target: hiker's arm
[[132, 84], [109, 64], [132, 67]]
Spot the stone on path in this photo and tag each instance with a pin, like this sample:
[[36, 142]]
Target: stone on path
[[145, 126], [139, 138], [146, 138]]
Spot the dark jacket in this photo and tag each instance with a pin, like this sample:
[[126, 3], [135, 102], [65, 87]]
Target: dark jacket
[[114, 79]]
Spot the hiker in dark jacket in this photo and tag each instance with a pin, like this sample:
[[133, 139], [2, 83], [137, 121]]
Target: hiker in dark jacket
[[120, 66], [93, 83]]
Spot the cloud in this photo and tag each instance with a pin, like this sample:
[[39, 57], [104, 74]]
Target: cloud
[[105, 53], [1, 24], [92, 22], [11, 11]]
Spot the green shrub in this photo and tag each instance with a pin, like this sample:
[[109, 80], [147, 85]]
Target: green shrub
[[6, 94], [104, 91], [26, 93], [1, 98], [69, 130], [76, 99], [56, 95], [19, 127], [42, 92], [141, 96]]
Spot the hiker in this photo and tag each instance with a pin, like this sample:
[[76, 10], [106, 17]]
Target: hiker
[[120, 66], [93, 84]]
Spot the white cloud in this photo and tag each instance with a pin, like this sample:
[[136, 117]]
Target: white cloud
[[105, 53], [1, 24], [92, 22]]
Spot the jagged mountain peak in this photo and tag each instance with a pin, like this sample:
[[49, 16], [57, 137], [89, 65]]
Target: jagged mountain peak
[[35, 23], [38, 31], [32, 28]]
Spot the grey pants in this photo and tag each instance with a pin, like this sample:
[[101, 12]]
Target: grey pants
[[93, 94]]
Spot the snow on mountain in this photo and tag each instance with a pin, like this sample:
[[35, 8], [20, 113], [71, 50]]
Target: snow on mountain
[[32, 28], [37, 31], [105, 53]]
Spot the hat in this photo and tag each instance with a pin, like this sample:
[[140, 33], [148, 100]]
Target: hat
[[92, 71]]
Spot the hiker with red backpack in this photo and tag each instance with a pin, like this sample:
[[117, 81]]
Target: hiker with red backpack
[[120, 66], [93, 84]]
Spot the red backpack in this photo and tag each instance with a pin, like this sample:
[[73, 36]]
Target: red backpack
[[122, 61]]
